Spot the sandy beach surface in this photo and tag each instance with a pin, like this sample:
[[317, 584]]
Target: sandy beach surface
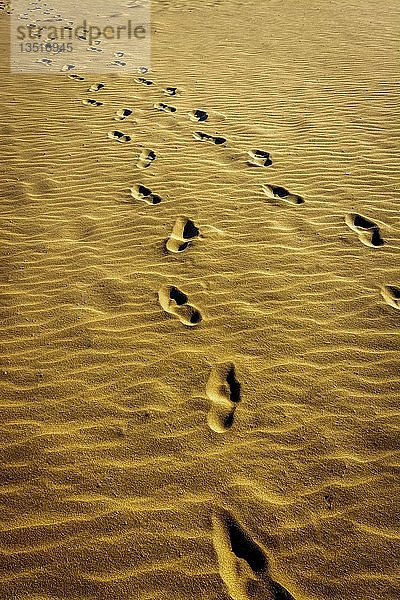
[[200, 293]]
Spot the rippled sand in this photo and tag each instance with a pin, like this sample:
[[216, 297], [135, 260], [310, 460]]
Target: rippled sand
[[200, 331]]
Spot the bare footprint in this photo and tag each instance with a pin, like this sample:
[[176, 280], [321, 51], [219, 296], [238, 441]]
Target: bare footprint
[[223, 390], [165, 107], [146, 158], [198, 115], [276, 191], [204, 137], [45, 61], [122, 114], [183, 232], [368, 232], [175, 302], [91, 102], [391, 295], [96, 87], [118, 63], [143, 81], [76, 77], [170, 91], [259, 158], [118, 136], [243, 564], [140, 192], [66, 68]]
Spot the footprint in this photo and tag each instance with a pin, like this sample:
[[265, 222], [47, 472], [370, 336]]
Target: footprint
[[183, 233], [67, 68], [391, 295], [170, 91], [223, 389], [118, 63], [243, 564], [175, 302], [45, 61], [259, 158], [122, 114], [143, 81], [91, 102], [165, 107], [198, 115], [204, 137], [76, 77], [140, 192], [276, 191], [96, 87], [118, 136], [146, 158], [93, 49], [368, 232]]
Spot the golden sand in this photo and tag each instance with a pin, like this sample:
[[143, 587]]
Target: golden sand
[[200, 284]]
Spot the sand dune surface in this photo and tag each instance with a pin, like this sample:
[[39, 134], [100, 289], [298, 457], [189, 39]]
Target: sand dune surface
[[200, 284]]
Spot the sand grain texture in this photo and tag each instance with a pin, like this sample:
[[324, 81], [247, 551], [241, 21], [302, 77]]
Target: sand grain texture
[[131, 469]]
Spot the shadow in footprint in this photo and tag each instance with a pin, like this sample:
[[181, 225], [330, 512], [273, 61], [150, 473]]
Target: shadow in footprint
[[204, 137], [122, 114], [143, 81], [175, 302], [223, 389], [96, 87], [368, 232], [391, 295], [140, 192], [91, 102], [165, 107], [118, 136], [198, 115], [118, 63], [242, 562], [259, 158], [146, 157], [170, 91], [183, 232], [276, 191]]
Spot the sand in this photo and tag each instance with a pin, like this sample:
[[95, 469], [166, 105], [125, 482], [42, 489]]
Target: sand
[[200, 312]]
